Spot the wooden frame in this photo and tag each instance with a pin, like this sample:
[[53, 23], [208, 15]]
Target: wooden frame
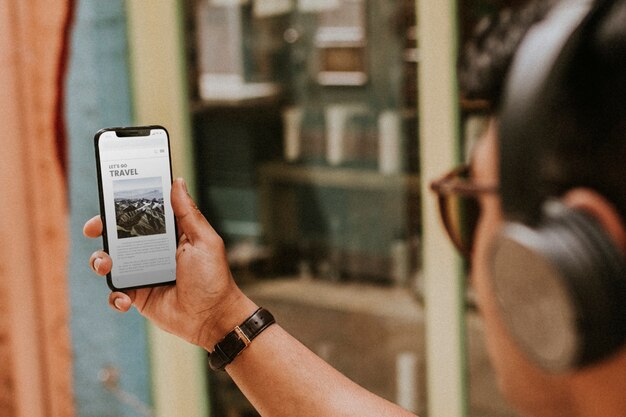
[[439, 139], [34, 331]]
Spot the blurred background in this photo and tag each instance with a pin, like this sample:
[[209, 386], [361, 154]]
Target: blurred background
[[308, 131]]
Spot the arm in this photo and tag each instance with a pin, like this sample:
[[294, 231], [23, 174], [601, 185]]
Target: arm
[[281, 377], [277, 373]]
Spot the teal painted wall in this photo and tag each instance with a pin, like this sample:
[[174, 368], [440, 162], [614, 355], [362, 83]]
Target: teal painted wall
[[98, 95]]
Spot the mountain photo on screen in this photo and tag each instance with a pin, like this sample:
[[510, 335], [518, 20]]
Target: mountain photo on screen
[[139, 208]]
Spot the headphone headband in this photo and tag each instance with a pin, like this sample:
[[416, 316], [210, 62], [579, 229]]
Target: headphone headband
[[534, 111]]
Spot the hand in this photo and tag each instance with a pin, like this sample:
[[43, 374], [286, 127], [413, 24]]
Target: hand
[[205, 303]]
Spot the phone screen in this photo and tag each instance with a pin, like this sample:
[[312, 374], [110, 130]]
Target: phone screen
[[135, 180]]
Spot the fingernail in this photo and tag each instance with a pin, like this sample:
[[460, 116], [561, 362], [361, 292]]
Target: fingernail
[[118, 303], [96, 264], [184, 184]]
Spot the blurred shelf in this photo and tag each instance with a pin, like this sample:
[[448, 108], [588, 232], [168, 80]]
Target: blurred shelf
[[200, 105], [395, 303], [348, 178]]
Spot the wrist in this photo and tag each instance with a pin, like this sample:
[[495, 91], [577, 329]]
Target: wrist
[[238, 339], [231, 313]]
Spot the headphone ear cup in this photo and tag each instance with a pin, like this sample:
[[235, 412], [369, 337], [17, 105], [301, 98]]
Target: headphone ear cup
[[561, 288]]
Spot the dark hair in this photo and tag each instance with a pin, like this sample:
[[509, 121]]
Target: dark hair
[[486, 58]]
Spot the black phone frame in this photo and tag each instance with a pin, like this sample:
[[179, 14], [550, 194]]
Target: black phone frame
[[128, 131]]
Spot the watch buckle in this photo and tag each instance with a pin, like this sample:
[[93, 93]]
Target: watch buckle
[[242, 336]]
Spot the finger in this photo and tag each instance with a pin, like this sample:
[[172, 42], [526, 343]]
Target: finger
[[183, 246], [179, 231], [190, 220], [93, 227], [182, 240], [121, 301], [100, 262]]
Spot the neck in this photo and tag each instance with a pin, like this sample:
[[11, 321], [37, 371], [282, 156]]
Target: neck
[[599, 390]]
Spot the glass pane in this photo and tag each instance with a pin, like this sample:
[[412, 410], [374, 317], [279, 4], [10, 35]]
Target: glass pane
[[307, 165]]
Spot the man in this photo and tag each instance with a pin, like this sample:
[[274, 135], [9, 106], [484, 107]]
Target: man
[[583, 172]]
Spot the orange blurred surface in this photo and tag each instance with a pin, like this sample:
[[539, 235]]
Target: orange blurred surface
[[35, 368]]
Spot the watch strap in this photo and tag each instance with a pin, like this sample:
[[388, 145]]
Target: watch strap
[[239, 339]]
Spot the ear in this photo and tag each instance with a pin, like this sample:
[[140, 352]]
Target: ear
[[601, 209]]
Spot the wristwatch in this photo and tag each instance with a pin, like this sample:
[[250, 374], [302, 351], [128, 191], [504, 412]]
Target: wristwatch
[[226, 350]]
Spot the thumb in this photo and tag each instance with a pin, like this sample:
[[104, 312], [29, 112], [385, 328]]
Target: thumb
[[189, 217]]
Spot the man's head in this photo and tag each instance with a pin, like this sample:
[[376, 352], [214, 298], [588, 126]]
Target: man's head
[[569, 146], [579, 111]]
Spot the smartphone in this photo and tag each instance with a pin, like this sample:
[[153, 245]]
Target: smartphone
[[134, 182]]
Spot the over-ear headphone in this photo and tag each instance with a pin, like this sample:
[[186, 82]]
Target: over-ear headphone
[[559, 278]]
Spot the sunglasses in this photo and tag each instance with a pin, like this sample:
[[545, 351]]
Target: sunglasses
[[457, 196]]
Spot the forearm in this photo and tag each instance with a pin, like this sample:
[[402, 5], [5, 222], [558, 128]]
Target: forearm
[[281, 377]]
